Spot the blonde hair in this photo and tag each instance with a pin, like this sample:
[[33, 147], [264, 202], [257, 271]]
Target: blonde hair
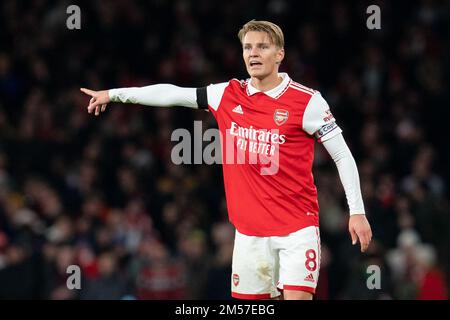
[[274, 31]]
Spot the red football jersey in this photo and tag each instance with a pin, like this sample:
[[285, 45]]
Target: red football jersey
[[267, 141]]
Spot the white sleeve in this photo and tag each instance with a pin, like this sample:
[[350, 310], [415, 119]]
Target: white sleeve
[[318, 119], [215, 94], [348, 172], [157, 95]]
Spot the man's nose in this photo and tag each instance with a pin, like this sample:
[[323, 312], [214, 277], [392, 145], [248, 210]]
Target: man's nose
[[254, 52]]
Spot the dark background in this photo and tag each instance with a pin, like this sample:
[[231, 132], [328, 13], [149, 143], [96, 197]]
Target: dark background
[[102, 193]]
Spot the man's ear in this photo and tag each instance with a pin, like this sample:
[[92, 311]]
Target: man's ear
[[280, 55]]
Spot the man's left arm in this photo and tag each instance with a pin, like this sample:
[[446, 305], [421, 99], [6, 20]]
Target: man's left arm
[[319, 121], [359, 227]]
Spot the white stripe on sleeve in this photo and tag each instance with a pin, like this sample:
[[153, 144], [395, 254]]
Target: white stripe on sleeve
[[318, 119], [215, 94]]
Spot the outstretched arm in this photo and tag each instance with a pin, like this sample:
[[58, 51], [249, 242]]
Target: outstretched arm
[[359, 227], [158, 95]]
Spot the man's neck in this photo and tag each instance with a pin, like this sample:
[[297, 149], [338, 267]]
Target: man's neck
[[267, 83]]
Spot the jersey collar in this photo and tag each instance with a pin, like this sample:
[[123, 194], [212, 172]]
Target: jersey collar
[[275, 92]]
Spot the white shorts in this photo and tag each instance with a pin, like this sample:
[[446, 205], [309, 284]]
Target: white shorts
[[264, 266]]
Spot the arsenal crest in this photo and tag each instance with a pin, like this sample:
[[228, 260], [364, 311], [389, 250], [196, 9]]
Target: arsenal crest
[[280, 116], [235, 279]]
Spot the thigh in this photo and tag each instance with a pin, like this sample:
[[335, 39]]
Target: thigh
[[299, 260], [254, 268]]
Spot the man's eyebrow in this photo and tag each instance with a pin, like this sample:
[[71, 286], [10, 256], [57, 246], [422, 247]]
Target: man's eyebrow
[[258, 43]]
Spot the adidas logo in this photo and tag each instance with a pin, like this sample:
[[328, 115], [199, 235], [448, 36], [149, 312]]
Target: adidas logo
[[238, 109], [310, 278]]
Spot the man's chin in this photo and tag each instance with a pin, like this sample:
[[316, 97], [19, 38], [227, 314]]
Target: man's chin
[[257, 74]]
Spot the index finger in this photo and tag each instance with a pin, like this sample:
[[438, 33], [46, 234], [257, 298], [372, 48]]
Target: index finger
[[87, 91]]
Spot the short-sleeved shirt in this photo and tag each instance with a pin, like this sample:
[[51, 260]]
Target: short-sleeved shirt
[[267, 141]]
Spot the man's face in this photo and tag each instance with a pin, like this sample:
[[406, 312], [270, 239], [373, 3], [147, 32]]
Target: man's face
[[260, 54]]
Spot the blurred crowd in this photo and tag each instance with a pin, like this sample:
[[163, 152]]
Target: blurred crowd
[[102, 193]]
